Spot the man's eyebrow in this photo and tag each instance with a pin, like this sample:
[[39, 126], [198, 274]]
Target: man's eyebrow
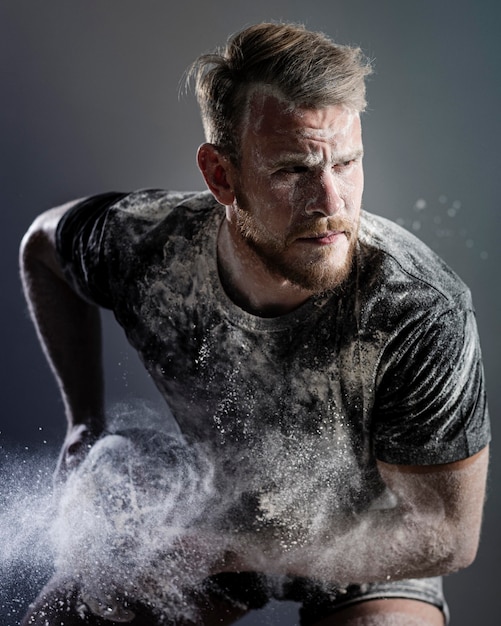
[[296, 158], [348, 156], [312, 159]]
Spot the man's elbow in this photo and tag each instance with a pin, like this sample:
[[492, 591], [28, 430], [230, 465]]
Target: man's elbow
[[38, 244], [462, 550]]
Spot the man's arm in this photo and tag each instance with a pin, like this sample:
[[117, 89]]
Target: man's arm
[[441, 508], [70, 333], [432, 529]]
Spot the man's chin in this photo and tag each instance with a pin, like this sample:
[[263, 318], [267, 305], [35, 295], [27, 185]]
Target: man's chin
[[313, 276], [316, 283], [320, 273]]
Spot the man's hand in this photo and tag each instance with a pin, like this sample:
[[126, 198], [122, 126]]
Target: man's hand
[[109, 606], [76, 446]]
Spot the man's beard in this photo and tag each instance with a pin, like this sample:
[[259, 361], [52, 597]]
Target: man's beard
[[316, 271]]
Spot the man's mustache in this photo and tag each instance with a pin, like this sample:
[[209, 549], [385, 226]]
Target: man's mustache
[[319, 227]]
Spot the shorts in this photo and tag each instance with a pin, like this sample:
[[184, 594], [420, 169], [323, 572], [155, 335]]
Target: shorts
[[318, 599]]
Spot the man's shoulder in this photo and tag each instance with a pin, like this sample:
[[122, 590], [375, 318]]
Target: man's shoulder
[[401, 258], [109, 241], [152, 205]]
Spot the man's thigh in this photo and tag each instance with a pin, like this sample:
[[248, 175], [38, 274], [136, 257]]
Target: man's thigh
[[386, 612]]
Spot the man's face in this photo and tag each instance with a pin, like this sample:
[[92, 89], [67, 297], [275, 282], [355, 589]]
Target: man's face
[[298, 190]]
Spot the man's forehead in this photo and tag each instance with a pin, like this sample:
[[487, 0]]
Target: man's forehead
[[268, 113]]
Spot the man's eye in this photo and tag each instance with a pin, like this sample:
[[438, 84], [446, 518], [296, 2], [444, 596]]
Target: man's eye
[[294, 169], [342, 165]]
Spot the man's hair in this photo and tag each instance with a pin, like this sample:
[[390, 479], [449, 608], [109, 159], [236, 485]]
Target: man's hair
[[303, 67]]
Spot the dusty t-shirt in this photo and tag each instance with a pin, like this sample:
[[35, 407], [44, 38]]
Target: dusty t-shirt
[[388, 367]]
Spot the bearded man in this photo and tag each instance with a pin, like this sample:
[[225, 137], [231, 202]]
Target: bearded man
[[326, 359]]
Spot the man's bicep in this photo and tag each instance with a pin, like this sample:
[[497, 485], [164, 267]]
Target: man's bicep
[[452, 493]]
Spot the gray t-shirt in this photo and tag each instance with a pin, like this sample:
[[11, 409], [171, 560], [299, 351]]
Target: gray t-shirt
[[388, 367]]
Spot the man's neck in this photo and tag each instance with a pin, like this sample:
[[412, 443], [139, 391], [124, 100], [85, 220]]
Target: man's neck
[[249, 283]]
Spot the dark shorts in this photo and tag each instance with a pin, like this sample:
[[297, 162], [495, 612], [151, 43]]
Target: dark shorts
[[61, 601], [318, 600]]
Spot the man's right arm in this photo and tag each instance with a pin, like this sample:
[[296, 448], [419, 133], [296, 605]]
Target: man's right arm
[[69, 331]]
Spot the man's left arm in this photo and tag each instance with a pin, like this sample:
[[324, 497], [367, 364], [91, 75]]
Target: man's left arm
[[429, 527], [437, 518]]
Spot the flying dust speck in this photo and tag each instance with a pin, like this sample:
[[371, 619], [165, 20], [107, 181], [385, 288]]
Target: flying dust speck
[[440, 223]]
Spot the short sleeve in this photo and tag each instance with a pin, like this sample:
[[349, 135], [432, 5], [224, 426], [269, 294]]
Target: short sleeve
[[80, 246], [431, 403]]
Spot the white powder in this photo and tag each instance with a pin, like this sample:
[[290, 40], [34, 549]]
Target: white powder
[[26, 510], [122, 515], [128, 517]]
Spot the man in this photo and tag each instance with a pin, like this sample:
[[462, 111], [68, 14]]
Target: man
[[326, 359]]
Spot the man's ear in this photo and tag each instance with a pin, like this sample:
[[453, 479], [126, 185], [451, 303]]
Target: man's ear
[[217, 172]]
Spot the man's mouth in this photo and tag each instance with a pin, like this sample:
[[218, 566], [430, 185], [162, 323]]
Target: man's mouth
[[322, 239]]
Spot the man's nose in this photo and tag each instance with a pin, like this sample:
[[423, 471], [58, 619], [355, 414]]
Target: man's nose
[[325, 195]]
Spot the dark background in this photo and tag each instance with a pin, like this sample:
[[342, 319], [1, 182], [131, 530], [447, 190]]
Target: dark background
[[90, 102]]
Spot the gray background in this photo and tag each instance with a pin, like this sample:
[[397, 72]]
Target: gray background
[[90, 103]]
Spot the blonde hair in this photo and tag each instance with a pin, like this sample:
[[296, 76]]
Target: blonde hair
[[306, 68]]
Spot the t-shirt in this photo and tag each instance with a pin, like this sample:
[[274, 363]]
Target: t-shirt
[[386, 367]]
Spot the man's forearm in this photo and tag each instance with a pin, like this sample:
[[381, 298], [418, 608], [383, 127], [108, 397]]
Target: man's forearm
[[378, 548], [432, 529], [67, 326], [383, 545]]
